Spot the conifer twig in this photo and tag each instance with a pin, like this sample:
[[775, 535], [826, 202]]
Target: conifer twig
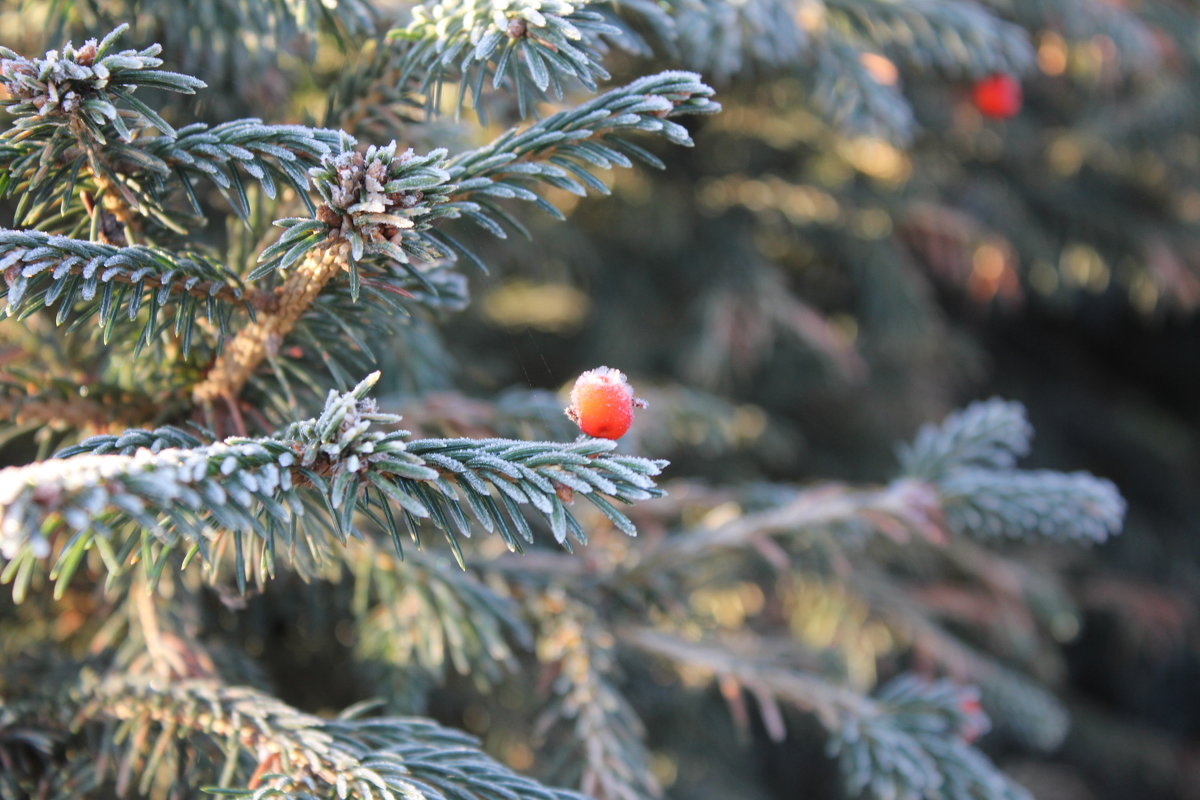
[[26, 254], [248, 721], [595, 730], [262, 337]]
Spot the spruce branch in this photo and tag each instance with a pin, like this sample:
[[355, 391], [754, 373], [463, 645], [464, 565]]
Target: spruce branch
[[140, 178], [527, 46], [727, 40], [379, 205], [220, 153], [245, 726], [384, 203], [80, 89], [148, 493], [86, 279], [851, 97], [595, 737], [414, 614], [990, 434], [898, 509], [234, 49], [71, 108], [367, 100], [948, 488], [246, 743], [911, 740], [742, 664], [1023, 711], [546, 475], [561, 149], [1017, 504], [970, 459], [917, 745], [1016, 704], [78, 121], [950, 36], [965, 500]]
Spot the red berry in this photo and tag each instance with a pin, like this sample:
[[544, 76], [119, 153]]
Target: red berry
[[998, 96], [602, 403], [976, 722]]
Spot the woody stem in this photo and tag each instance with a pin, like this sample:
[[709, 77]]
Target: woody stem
[[261, 338]]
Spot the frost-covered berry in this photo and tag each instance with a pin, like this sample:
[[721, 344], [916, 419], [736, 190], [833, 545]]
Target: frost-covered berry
[[602, 403]]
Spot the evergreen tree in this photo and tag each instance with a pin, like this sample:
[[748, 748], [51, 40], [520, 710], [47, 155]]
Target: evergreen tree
[[232, 571]]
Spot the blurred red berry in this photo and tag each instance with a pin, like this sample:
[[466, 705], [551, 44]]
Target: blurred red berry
[[602, 403], [976, 723], [998, 96]]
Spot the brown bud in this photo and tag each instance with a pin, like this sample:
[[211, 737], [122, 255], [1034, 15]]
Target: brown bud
[[86, 54], [328, 216], [11, 66], [516, 28]]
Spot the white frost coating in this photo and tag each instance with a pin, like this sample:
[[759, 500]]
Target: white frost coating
[[81, 487]]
